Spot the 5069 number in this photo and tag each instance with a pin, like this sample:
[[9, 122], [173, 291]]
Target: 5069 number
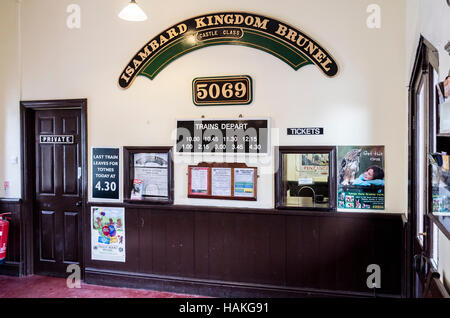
[[230, 90]]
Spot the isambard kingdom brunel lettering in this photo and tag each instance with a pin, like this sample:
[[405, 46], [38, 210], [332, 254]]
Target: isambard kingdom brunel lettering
[[236, 28]]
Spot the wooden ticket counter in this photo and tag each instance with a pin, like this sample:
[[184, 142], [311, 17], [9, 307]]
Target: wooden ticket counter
[[235, 252]]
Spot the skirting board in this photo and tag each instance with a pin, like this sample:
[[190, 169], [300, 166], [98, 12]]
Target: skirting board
[[210, 288], [10, 269]]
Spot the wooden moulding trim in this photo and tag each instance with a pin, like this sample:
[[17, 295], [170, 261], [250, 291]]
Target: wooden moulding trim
[[209, 209], [10, 200], [215, 288]]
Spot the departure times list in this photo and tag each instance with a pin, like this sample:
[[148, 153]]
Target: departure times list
[[223, 136]]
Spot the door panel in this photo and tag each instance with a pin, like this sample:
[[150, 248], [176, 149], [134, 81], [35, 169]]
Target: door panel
[[70, 173], [47, 125], [47, 169], [71, 154], [70, 236], [57, 193], [47, 247]]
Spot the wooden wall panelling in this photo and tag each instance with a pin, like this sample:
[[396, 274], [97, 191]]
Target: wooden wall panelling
[[171, 238], [251, 252], [132, 224], [12, 265], [302, 263]]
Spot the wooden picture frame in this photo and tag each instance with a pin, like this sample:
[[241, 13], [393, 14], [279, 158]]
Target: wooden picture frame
[[129, 174], [244, 193]]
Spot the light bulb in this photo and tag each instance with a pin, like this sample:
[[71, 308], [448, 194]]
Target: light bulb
[[132, 12]]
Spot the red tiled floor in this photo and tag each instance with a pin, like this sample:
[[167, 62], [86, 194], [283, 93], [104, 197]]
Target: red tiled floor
[[51, 287]]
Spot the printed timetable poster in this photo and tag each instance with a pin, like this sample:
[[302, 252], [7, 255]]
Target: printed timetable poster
[[361, 177], [244, 182], [108, 234]]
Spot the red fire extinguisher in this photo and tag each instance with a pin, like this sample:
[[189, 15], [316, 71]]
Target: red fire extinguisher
[[4, 227]]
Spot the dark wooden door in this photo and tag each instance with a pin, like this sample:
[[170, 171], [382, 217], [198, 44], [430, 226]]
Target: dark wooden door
[[421, 145], [58, 192], [422, 142]]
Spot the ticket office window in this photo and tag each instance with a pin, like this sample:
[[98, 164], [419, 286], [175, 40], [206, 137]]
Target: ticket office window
[[305, 178]]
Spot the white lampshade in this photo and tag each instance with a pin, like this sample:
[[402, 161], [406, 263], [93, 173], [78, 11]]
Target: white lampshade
[[132, 12]]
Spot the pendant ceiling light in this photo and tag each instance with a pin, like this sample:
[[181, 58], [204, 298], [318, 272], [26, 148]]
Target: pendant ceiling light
[[132, 12]]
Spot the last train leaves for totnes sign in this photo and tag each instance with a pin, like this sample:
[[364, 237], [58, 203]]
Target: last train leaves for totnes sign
[[233, 28]]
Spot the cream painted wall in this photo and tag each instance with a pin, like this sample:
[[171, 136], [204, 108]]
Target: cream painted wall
[[431, 18], [364, 104], [9, 99]]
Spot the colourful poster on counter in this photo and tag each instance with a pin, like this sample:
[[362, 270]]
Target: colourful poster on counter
[[360, 178], [108, 234]]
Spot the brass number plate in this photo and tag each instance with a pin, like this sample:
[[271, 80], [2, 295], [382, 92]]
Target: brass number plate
[[228, 90]]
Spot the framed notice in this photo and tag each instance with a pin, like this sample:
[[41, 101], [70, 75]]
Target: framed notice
[[148, 174], [151, 169], [108, 234], [226, 181], [199, 181], [244, 182], [221, 182]]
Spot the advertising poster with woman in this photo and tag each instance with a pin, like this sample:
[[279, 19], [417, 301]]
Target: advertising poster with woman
[[108, 234], [360, 177]]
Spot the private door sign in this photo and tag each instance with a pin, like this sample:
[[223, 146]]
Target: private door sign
[[56, 139], [285, 42]]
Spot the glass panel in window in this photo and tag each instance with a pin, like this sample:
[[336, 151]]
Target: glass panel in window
[[150, 175], [422, 153], [306, 180], [435, 251]]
